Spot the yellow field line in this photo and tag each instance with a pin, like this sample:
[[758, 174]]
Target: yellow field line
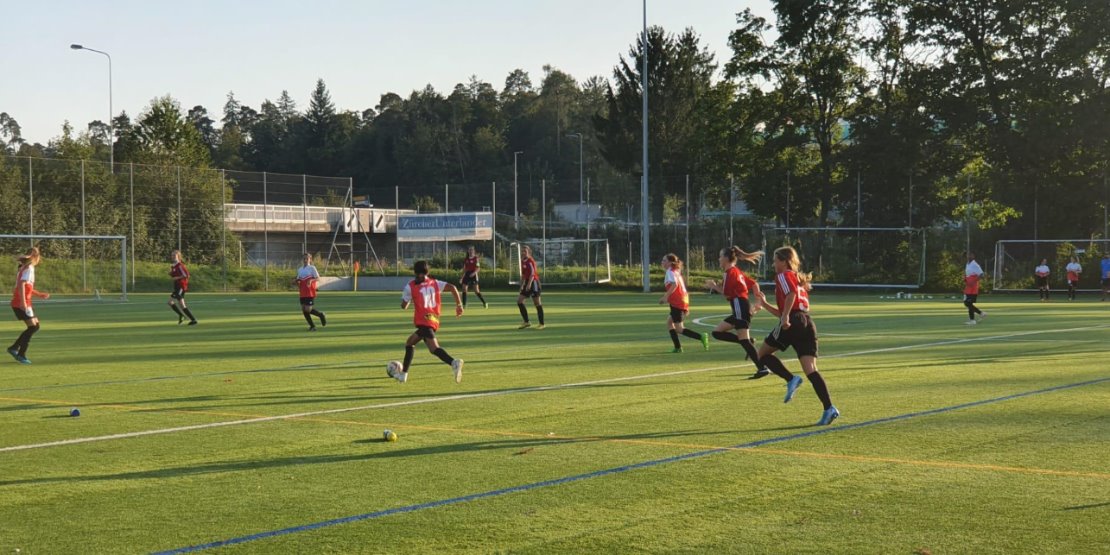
[[649, 442]]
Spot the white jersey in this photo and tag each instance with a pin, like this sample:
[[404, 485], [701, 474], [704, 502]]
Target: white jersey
[[28, 275], [406, 293], [670, 278], [1041, 270], [1074, 267], [973, 269], [307, 272]]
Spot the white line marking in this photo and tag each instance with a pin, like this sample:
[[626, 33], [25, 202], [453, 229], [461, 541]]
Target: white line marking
[[466, 396]]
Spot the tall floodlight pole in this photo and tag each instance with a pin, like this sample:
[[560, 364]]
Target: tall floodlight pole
[[516, 209], [111, 126], [645, 256]]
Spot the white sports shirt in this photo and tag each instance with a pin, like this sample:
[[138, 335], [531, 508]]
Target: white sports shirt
[[308, 272], [973, 269]]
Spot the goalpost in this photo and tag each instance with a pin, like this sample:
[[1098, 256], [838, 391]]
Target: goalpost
[[854, 257], [84, 264], [1015, 260], [565, 261]]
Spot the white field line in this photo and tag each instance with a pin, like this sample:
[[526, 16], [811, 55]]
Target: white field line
[[466, 396]]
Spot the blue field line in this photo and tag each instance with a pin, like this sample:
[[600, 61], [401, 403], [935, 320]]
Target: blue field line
[[610, 471]]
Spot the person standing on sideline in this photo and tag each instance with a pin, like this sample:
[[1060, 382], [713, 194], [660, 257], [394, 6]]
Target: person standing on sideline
[[1104, 269], [972, 274], [22, 294], [180, 275], [470, 277], [1041, 273], [307, 279], [1073, 269], [795, 330], [679, 300], [423, 292], [529, 287]]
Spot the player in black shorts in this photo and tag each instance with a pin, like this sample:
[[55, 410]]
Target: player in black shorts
[[470, 276]]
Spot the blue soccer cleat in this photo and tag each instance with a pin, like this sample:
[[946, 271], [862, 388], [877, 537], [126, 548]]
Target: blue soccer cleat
[[792, 388], [828, 416], [23, 360], [14, 353]]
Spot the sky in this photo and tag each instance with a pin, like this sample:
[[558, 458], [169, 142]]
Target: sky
[[199, 51]]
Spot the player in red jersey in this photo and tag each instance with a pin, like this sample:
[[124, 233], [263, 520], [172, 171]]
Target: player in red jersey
[[22, 294], [972, 274], [795, 329], [679, 300], [529, 287], [470, 277], [180, 275], [423, 293], [736, 288], [306, 280]]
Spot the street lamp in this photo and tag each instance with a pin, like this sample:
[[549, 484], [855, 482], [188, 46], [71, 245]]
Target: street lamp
[[580, 168], [111, 126], [516, 210]]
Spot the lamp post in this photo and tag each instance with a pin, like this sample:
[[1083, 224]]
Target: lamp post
[[516, 209], [111, 125]]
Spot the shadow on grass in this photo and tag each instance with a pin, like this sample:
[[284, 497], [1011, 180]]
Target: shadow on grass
[[1083, 507], [517, 445]]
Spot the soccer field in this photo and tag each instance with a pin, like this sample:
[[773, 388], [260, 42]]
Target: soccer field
[[586, 437]]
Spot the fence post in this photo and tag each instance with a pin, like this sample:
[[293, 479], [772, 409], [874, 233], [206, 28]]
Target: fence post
[[178, 207], [687, 265], [131, 187], [589, 265], [304, 209], [493, 204], [397, 228], [543, 210], [31, 197], [84, 258], [265, 237]]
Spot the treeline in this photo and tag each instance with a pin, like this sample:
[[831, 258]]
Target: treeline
[[931, 109]]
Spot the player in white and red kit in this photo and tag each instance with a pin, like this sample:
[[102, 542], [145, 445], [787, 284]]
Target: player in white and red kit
[[1073, 270], [306, 280], [679, 300], [529, 287], [736, 289], [423, 293], [1041, 273], [972, 274], [470, 276], [794, 330], [22, 295], [180, 275]]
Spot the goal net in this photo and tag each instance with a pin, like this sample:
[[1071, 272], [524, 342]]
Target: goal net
[[854, 257], [565, 261], [1015, 261], [73, 267]]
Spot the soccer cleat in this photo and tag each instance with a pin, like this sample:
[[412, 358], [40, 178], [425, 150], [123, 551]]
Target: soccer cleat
[[982, 315], [485, 304], [312, 328], [540, 327], [705, 341], [457, 366], [192, 322], [828, 416], [323, 319], [180, 320], [402, 376], [971, 322], [22, 359], [676, 350], [524, 325], [761, 373], [14, 352], [792, 388]]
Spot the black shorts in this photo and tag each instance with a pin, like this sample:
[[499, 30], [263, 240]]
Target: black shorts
[[470, 278], [20, 314], [677, 315], [308, 301], [178, 293], [802, 335], [533, 291], [741, 317], [1042, 281], [971, 298], [425, 332]]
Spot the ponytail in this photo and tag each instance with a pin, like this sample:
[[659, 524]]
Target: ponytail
[[32, 256], [736, 254], [676, 262]]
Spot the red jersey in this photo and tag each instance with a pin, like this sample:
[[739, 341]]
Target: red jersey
[[971, 285], [470, 265], [785, 284], [307, 278], [528, 270], [180, 276], [425, 299], [24, 286], [678, 297], [735, 286]]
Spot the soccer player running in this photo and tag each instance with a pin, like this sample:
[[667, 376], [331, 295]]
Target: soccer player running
[[736, 289], [1104, 268], [972, 274], [307, 279], [529, 287], [180, 275], [423, 293], [795, 329], [470, 277], [1041, 272], [22, 294], [1073, 269], [679, 299]]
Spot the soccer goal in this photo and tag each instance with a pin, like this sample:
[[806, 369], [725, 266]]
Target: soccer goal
[[1016, 259], [854, 257], [565, 261], [74, 267]]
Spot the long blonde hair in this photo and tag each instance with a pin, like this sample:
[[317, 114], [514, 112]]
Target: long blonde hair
[[789, 256], [33, 256], [736, 254]]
